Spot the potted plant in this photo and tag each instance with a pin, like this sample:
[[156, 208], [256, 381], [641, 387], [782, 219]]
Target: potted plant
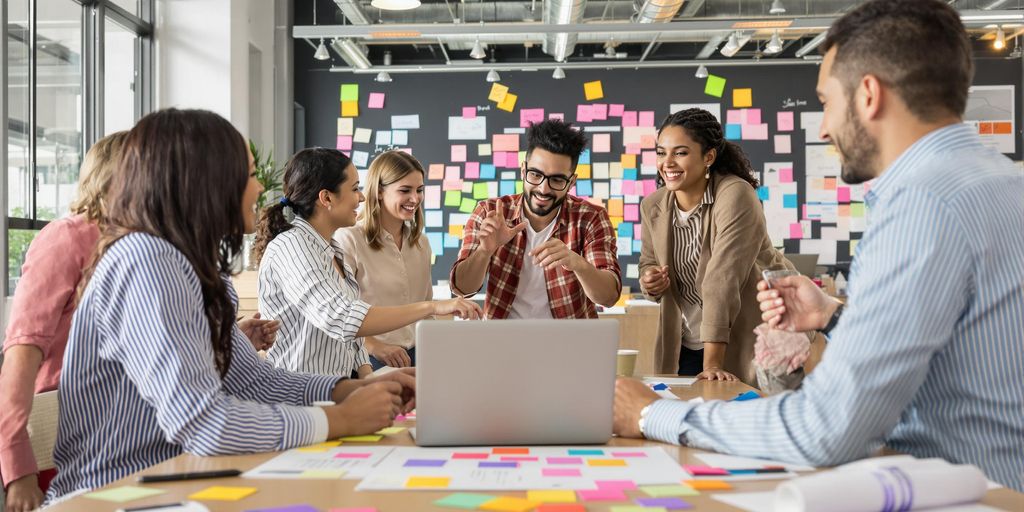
[[270, 177]]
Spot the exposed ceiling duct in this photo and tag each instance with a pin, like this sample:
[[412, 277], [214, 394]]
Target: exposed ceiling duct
[[656, 11], [353, 11], [353, 53], [560, 45]]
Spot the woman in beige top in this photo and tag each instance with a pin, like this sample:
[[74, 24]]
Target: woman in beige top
[[388, 252]]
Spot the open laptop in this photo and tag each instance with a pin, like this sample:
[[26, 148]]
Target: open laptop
[[507, 382], [804, 263]]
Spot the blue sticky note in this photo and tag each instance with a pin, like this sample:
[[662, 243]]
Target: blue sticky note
[[450, 242], [626, 230], [586, 452], [487, 171], [585, 157], [733, 131], [789, 200], [436, 243], [762, 193], [584, 188], [749, 395], [637, 245], [629, 174], [660, 386], [623, 247], [506, 188]]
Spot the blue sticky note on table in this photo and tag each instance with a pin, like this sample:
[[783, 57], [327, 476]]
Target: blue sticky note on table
[[626, 230], [585, 157], [733, 131], [789, 200], [762, 193], [584, 188], [487, 171], [629, 174], [506, 188], [436, 243], [749, 395], [586, 452]]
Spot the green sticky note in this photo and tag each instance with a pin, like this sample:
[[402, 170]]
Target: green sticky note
[[467, 206], [661, 491], [480, 191], [349, 92], [464, 500], [123, 494], [362, 439], [452, 198], [519, 187], [714, 86], [856, 209]]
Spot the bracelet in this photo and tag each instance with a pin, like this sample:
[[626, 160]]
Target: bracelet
[[832, 322], [640, 422]]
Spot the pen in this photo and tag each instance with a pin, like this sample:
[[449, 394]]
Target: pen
[[757, 471], [174, 477], [152, 507]]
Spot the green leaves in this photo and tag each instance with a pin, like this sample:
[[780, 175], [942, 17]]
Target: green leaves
[[266, 173]]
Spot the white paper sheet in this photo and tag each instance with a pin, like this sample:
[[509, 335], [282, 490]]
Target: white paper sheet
[[405, 122], [765, 502], [671, 381], [293, 463], [460, 128]]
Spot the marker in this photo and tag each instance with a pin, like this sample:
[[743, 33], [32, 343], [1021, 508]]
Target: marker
[[152, 507], [198, 475], [757, 471]]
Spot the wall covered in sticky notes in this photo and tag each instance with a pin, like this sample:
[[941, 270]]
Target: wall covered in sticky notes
[[469, 135]]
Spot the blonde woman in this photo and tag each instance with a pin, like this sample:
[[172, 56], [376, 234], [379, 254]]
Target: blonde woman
[[388, 252], [41, 318]]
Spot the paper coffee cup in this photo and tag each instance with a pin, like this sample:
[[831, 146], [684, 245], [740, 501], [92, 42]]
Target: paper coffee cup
[[625, 363]]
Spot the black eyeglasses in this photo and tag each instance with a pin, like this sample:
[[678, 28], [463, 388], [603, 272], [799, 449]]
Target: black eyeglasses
[[555, 181]]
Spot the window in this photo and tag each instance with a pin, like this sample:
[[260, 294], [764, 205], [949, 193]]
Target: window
[[118, 77]]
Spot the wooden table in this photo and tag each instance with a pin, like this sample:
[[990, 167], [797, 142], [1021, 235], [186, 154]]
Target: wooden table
[[326, 494]]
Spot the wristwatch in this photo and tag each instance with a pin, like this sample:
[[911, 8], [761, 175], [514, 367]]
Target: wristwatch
[[643, 415], [833, 321]]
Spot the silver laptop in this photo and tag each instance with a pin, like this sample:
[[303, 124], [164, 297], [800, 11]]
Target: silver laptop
[[804, 263], [508, 382]]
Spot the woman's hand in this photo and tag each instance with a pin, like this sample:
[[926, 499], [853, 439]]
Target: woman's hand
[[391, 355], [261, 333], [459, 307], [715, 374]]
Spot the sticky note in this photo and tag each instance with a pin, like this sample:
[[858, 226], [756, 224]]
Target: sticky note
[[354, 509], [607, 462], [714, 86], [708, 485], [754, 132], [742, 98], [487, 171], [498, 93], [400, 137], [469, 455], [505, 142], [345, 126], [289, 508], [362, 135], [467, 205], [789, 200], [520, 458], [559, 472], [646, 118], [637, 508], [530, 115], [602, 495], [424, 463], [362, 439], [456, 230], [593, 90], [666, 503], [483, 149], [786, 175], [602, 143], [344, 143], [843, 194], [349, 109], [733, 131], [584, 114], [223, 493], [427, 482], [349, 92], [783, 145], [472, 170], [458, 152], [469, 112], [615, 110], [509, 504], [659, 491], [323, 474], [753, 116], [629, 119], [622, 485], [784, 121], [628, 161], [124, 493], [584, 188], [508, 103], [464, 500], [583, 171], [704, 470], [556, 496], [510, 451], [494, 464], [565, 460], [856, 209], [376, 100], [350, 455]]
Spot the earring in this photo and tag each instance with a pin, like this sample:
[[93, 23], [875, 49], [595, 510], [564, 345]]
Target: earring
[[328, 207], [707, 172]]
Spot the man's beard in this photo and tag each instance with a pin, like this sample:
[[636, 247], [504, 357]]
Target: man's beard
[[555, 203], [859, 152]]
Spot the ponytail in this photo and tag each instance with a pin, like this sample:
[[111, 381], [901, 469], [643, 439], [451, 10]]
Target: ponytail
[[272, 223], [704, 128]]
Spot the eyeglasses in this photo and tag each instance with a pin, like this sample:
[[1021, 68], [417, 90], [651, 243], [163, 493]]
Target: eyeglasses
[[555, 181]]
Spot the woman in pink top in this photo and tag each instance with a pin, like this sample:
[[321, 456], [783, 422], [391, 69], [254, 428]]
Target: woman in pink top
[[41, 317]]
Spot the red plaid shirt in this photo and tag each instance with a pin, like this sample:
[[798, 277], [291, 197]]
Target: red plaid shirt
[[583, 227]]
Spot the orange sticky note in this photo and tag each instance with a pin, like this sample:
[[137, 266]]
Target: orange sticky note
[[508, 104], [628, 161], [509, 504], [350, 109], [557, 496], [455, 230], [615, 208], [708, 485], [222, 493], [583, 171], [427, 482], [498, 93], [593, 90], [742, 98], [606, 462], [511, 451]]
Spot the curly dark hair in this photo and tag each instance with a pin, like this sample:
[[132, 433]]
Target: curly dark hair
[[557, 137], [704, 129]]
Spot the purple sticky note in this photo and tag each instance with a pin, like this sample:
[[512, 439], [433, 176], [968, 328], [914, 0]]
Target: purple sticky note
[[602, 495], [491, 464], [668, 503], [468, 112], [376, 100], [560, 472], [565, 460], [424, 463], [622, 485], [623, 455], [350, 455]]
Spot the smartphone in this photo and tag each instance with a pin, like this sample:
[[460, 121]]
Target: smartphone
[[770, 276]]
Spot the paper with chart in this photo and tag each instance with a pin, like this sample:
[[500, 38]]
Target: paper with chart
[[990, 111], [520, 468], [322, 461]]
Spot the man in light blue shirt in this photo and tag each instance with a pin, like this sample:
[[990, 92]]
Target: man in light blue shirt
[[928, 357]]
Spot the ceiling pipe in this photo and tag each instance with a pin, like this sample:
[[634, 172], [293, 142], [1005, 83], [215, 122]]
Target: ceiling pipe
[[656, 11], [560, 45], [539, 66]]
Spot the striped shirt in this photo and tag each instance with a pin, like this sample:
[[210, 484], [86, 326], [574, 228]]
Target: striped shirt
[[139, 385], [686, 246], [318, 307], [929, 353]]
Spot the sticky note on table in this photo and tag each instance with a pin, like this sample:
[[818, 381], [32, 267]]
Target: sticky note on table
[[555, 472], [622, 455], [601, 495], [498, 93], [354, 509], [497, 464], [323, 474], [319, 447], [606, 462], [561, 507], [714, 86], [708, 485], [704, 471], [622, 485], [349, 109], [467, 455], [742, 98], [508, 103], [565, 460], [376, 100], [424, 463], [585, 451], [637, 508], [389, 431], [667, 503], [464, 500], [125, 493], [509, 504], [222, 493], [556, 496], [362, 439], [349, 92], [510, 451], [352, 455], [593, 90], [659, 491], [427, 482], [293, 508]]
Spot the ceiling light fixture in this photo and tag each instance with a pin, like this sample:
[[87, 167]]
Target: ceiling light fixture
[[731, 46], [478, 51], [558, 74], [321, 51], [777, 8], [383, 76], [774, 44], [395, 5], [702, 72], [1000, 41], [493, 76]]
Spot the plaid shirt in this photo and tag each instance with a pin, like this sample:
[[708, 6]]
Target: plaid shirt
[[583, 227]]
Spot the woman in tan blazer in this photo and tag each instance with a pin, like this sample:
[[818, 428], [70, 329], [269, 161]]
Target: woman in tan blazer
[[704, 246]]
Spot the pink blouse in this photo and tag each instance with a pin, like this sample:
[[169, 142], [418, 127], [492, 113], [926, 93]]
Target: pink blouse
[[44, 302]]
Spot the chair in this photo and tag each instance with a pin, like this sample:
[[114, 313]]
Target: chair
[[42, 428]]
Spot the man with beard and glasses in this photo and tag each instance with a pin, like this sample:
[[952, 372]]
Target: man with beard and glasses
[[547, 254], [927, 358]]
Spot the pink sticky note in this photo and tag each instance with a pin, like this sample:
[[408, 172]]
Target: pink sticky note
[[344, 143], [733, 116], [470, 455], [628, 187], [785, 120], [530, 115], [602, 495], [458, 153], [584, 114], [354, 509], [436, 172], [349, 455], [623, 455], [505, 142], [628, 119], [432, 200], [451, 185], [599, 112], [565, 460], [559, 472], [649, 158], [602, 142], [705, 471], [615, 110], [650, 186], [633, 148], [498, 158], [621, 485], [753, 116], [637, 232], [646, 118], [648, 142], [452, 172], [468, 112], [795, 230], [631, 212], [843, 194], [755, 132], [472, 170], [376, 100], [512, 159], [786, 175], [783, 144], [519, 458], [560, 116]]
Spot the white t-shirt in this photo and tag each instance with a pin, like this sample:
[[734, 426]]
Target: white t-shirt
[[692, 314], [532, 293]]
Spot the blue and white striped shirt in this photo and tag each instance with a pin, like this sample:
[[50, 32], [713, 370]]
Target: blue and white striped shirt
[[318, 307], [928, 357], [139, 384]]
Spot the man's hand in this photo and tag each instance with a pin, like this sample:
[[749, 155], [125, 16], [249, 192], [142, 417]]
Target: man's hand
[[494, 232], [391, 355], [554, 252], [795, 303], [23, 494], [406, 377], [655, 281], [261, 333], [631, 396]]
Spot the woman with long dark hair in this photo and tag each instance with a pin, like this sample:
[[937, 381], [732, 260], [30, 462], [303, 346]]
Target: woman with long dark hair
[[155, 364], [305, 283], [704, 246]]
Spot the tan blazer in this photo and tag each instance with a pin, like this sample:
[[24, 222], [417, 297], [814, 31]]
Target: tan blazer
[[735, 249]]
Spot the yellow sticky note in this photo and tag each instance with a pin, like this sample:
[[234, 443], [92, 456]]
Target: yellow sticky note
[[593, 90], [319, 447], [362, 439], [323, 474], [742, 98], [628, 161], [509, 504], [483, 149], [508, 103], [551, 496], [456, 230], [606, 462], [427, 482], [583, 171], [349, 109], [498, 93], [708, 485], [223, 493], [124, 493], [390, 431], [615, 220]]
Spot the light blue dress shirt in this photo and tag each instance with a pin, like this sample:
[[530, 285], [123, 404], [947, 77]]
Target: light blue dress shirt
[[928, 357]]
